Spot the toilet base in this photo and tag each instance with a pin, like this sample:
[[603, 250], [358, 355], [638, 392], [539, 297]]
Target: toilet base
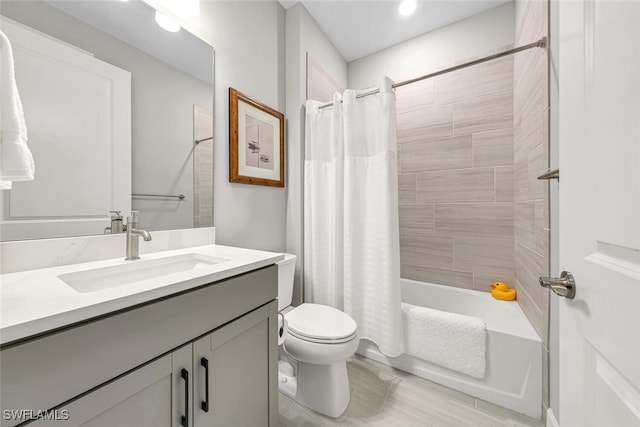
[[323, 388]]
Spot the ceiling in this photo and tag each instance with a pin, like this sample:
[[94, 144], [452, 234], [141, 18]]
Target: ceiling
[[358, 28]]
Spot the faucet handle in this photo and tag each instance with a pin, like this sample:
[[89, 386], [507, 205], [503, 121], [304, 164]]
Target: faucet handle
[[115, 214], [133, 219]]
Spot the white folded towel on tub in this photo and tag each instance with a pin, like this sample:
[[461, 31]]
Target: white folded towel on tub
[[451, 340]]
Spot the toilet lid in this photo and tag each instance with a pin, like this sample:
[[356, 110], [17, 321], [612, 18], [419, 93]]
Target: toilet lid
[[320, 322]]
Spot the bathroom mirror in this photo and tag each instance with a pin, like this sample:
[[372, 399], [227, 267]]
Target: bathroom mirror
[[78, 160]]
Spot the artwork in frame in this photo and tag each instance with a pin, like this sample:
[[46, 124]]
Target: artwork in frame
[[256, 142]]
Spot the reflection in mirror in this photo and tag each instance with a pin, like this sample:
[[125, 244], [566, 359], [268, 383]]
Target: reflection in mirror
[[114, 106]]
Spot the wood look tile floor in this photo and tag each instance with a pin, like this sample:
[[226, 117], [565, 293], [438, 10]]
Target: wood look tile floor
[[385, 397]]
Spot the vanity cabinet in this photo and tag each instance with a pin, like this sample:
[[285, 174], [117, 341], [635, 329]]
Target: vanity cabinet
[[151, 365], [232, 361], [221, 379], [141, 398]]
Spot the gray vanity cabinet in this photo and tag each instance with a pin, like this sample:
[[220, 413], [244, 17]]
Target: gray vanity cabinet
[[237, 356], [141, 398], [227, 374], [144, 367], [232, 363]]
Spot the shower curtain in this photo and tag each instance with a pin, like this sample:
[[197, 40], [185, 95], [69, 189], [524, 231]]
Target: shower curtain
[[351, 234]]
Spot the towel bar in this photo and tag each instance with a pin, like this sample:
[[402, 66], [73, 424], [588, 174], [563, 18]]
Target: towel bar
[[170, 196]]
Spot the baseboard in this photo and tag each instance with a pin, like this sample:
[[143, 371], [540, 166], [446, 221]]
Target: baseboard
[[551, 419]]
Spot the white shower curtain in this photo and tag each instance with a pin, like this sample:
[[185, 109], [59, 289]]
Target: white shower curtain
[[352, 250]]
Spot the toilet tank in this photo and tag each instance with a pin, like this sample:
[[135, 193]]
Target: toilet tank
[[286, 271]]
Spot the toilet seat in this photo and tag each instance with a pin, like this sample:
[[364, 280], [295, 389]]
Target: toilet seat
[[321, 324]]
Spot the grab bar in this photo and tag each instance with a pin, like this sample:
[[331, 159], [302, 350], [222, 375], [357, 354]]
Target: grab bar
[[164, 196]]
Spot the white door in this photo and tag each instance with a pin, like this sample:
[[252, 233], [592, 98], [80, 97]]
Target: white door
[[600, 212]]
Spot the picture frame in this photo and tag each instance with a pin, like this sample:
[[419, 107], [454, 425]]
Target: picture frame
[[256, 142]]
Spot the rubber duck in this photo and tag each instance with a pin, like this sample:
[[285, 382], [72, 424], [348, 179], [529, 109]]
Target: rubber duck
[[503, 292]]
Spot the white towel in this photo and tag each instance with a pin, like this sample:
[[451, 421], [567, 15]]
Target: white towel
[[16, 161], [451, 340]]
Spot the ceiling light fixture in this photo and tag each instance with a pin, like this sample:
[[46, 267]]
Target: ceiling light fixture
[[170, 12], [167, 23], [407, 7]]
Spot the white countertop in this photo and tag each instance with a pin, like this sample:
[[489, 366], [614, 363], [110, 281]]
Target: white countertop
[[36, 301]]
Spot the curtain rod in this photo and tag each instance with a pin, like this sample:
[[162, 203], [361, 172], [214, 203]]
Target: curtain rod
[[542, 43]]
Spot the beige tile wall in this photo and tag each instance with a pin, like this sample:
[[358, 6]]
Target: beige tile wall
[[531, 196], [531, 147], [320, 84], [203, 167], [455, 137]]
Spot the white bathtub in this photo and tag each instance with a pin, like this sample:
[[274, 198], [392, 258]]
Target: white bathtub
[[514, 350]]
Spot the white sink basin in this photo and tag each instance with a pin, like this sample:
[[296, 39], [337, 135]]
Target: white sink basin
[[99, 279]]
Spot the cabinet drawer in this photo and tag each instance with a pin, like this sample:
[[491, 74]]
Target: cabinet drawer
[[42, 373]]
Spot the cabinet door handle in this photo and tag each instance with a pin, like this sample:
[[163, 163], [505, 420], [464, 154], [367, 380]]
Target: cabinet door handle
[[205, 404], [184, 421]]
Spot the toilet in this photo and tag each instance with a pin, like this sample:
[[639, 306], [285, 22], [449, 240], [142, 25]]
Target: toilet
[[317, 340]]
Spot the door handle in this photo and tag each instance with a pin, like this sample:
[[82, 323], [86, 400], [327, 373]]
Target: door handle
[[564, 286]]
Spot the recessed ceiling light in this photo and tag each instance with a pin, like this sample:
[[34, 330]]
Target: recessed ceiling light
[[407, 7], [167, 23]]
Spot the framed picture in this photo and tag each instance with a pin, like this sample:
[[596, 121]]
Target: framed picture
[[256, 142]]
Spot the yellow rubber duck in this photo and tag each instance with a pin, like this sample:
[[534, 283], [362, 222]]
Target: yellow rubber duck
[[503, 292]]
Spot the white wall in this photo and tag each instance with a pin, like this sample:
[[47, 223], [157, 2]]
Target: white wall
[[302, 35], [467, 38], [248, 38]]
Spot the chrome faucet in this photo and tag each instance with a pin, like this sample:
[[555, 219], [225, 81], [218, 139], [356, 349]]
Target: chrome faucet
[[116, 224], [133, 233]]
